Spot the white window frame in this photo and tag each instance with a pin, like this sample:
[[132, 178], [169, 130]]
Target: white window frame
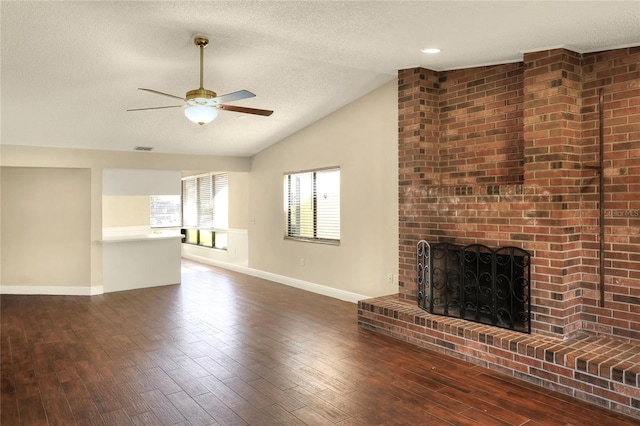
[[313, 206]]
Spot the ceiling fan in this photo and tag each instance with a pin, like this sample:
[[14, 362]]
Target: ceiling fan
[[201, 105]]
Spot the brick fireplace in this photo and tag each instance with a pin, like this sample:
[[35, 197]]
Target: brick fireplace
[[508, 155]]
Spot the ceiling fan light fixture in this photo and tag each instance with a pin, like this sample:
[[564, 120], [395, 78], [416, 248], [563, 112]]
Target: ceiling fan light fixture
[[202, 105], [201, 114]]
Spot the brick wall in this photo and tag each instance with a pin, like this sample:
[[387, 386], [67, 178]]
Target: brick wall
[[505, 155], [618, 72]]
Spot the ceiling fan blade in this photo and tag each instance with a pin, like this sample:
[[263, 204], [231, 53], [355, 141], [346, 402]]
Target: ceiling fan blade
[[161, 93], [246, 110], [162, 107], [235, 96]]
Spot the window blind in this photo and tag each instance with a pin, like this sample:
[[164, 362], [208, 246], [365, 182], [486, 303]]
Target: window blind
[[205, 201], [313, 205], [189, 203], [328, 204], [165, 211], [220, 217]]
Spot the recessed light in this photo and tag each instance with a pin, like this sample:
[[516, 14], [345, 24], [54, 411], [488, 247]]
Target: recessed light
[[430, 50]]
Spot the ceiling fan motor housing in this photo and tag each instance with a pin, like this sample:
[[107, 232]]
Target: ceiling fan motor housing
[[201, 97]]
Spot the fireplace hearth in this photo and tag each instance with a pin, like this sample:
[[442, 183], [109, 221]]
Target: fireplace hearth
[[476, 283]]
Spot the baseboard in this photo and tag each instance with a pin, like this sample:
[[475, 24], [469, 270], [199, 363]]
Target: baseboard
[[51, 290], [281, 279]]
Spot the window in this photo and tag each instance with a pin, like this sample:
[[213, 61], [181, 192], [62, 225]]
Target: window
[[205, 209], [312, 205], [165, 211]]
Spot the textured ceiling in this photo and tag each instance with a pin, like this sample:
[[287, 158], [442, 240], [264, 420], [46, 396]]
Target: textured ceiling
[[69, 70]]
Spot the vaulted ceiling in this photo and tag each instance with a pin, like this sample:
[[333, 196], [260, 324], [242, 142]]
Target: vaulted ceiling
[[70, 70]]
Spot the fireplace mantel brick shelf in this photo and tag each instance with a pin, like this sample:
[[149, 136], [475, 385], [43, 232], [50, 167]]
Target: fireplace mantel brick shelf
[[600, 370]]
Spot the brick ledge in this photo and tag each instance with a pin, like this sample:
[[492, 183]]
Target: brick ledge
[[596, 369]]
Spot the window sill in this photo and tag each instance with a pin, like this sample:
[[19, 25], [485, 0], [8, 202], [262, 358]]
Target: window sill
[[204, 247], [147, 237], [309, 240]]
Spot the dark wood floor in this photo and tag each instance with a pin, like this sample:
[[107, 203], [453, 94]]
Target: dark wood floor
[[229, 349]]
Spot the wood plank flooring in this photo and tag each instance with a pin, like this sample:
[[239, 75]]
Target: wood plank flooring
[[223, 348]]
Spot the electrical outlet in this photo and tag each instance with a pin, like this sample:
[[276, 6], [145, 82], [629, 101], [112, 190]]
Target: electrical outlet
[[302, 261], [390, 278]]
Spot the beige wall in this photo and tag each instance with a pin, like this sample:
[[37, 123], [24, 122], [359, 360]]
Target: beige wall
[[46, 228], [361, 138], [239, 185], [126, 210]]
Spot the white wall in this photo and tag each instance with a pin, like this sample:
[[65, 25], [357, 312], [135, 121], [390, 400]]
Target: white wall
[[361, 138], [141, 182]]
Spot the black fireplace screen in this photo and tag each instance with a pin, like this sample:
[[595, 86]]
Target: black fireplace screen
[[476, 283]]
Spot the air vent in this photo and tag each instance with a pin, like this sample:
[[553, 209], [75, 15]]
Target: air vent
[[143, 148]]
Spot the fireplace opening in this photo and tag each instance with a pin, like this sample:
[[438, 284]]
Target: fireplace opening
[[476, 283]]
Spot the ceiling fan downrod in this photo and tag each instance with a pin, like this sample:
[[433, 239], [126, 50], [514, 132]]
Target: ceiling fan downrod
[[201, 93], [201, 42]]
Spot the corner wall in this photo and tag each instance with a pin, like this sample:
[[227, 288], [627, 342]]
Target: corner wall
[[361, 139]]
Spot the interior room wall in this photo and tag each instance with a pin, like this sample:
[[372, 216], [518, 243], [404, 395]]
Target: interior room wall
[[141, 182], [239, 190], [360, 138], [46, 227], [126, 210]]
